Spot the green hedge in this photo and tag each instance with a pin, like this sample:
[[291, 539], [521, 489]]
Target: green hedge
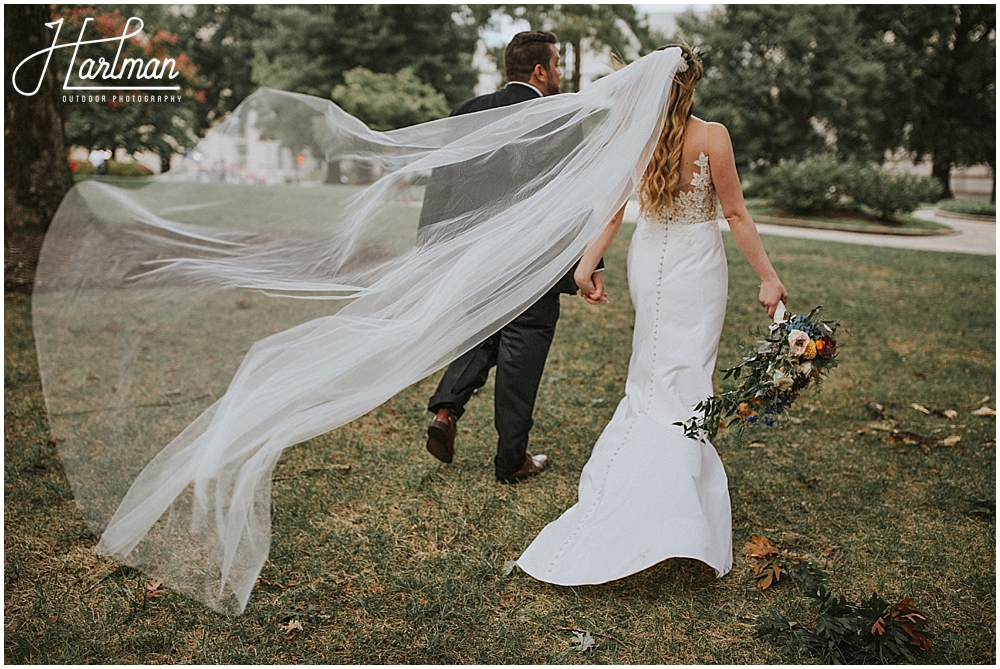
[[974, 207], [825, 184], [112, 168], [810, 186]]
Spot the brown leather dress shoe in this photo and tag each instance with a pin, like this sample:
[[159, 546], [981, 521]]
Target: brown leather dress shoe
[[533, 464], [441, 436]]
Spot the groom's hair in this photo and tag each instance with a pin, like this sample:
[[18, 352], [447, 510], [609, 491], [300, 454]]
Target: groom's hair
[[526, 50]]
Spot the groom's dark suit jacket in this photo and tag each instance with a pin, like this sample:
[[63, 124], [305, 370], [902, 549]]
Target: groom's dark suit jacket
[[480, 188]]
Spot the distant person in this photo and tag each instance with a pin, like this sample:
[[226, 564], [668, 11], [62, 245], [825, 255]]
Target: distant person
[[519, 349], [97, 159]]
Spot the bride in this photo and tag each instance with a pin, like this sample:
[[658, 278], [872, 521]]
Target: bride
[[647, 492]]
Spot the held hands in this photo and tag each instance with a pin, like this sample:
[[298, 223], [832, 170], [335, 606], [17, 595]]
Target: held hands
[[772, 292], [591, 286]]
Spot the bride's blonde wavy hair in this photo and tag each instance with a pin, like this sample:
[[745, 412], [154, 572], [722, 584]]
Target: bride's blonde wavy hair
[[656, 189]]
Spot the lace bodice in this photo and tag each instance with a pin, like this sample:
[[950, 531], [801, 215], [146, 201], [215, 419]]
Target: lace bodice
[[697, 205]]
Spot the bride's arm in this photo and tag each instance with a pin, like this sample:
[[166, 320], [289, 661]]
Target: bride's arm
[[590, 281], [727, 186]]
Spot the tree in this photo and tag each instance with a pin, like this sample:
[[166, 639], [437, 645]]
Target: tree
[[580, 28], [311, 46], [790, 81], [219, 40], [389, 101], [942, 65], [36, 171], [124, 118]]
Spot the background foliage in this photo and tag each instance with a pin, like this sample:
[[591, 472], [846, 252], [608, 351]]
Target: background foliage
[[791, 81]]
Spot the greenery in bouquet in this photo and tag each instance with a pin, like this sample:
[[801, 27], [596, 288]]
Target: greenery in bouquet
[[796, 351]]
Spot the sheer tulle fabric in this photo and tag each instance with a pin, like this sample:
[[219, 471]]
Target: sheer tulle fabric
[[190, 330]]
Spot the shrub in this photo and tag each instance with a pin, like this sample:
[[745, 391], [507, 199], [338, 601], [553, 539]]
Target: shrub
[[974, 207], [82, 168], [114, 168], [825, 184], [813, 185], [890, 193]]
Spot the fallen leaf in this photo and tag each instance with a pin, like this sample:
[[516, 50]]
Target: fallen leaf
[[985, 412], [951, 441], [875, 409], [879, 627], [508, 568], [770, 575], [884, 427], [582, 641], [153, 590], [342, 468], [905, 437], [757, 444], [292, 627], [760, 547], [949, 413], [985, 400], [921, 408]]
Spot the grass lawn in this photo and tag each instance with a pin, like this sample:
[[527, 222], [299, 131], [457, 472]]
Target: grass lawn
[[399, 559]]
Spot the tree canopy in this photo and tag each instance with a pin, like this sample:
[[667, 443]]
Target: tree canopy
[[792, 81], [309, 47], [579, 27], [941, 62]]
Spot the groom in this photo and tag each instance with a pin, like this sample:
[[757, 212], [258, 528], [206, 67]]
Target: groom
[[519, 349]]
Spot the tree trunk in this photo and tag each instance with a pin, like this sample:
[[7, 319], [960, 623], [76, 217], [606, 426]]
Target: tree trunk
[[941, 170], [36, 169]]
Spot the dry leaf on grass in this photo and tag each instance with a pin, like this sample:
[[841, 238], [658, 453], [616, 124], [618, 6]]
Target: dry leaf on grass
[[908, 438], [292, 627], [875, 409], [986, 412], [921, 408], [153, 590], [768, 574], [951, 441], [760, 547]]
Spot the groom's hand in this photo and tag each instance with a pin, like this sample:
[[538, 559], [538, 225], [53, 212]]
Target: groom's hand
[[593, 292]]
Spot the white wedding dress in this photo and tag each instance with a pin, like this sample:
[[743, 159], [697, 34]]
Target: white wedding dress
[[648, 493]]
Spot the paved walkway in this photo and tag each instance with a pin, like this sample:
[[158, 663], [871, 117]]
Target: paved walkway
[[970, 236]]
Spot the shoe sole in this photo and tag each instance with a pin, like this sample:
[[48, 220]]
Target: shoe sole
[[437, 435]]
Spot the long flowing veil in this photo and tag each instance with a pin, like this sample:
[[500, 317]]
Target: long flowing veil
[[293, 273]]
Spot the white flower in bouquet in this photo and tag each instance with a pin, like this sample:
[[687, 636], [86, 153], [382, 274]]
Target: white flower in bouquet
[[798, 341], [782, 379]]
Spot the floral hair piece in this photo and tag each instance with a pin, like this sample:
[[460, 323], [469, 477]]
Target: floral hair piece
[[683, 67]]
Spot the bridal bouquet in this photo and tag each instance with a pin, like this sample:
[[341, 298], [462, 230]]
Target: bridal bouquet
[[797, 350]]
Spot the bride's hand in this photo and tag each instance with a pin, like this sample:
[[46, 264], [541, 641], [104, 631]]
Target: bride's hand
[[591, 285], [597, 295], [771, 292]]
